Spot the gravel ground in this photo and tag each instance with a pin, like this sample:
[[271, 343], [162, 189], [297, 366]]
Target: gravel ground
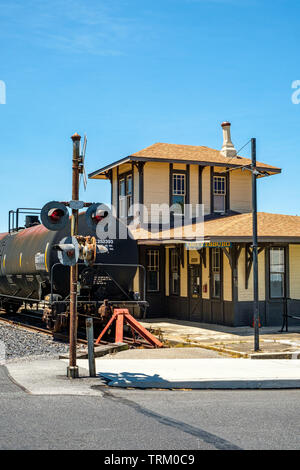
[[18, 343]]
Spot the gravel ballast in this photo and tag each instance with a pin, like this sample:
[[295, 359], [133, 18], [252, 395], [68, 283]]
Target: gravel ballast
[[19, 343]]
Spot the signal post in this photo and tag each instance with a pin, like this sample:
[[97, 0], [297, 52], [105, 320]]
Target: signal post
[[55, 216], [73, 368]]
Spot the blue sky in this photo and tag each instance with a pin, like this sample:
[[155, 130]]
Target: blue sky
[[131, 73]]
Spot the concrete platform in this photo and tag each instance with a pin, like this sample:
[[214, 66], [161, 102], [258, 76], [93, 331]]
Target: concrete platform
[[233, 341], [49, 377], [198, 373]]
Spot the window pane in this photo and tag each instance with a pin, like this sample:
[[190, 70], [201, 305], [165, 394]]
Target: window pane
[[180, 201], [122, 205], [175, 283], [277, 273], [178, 185], [129, 205], [219, 185], [216, 259], [129, 185], [277, 260], [219, 203], [175, 278], [153, 270], [277, 286], [216, 285], [122, 187], [152, 281]]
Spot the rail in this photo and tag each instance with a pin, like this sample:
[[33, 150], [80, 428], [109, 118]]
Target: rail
[[286, 316]]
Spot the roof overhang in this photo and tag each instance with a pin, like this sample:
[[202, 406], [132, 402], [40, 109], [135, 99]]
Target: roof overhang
[[238, 240], [102, 173]]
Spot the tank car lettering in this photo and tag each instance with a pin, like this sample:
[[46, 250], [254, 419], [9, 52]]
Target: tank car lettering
[[39, 260], [109, 244], [101, 279]]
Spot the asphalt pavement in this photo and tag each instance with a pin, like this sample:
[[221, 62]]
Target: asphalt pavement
[[133, 419]]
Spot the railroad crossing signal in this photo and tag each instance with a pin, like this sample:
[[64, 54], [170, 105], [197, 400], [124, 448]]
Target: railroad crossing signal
[[54, 215]]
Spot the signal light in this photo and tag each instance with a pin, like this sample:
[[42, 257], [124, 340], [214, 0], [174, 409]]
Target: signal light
[[95, 214], [54, 215], [96, 218], [67, 251]]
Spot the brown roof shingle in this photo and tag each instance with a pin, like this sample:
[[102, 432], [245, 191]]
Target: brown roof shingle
[[194, 153], [186, 153], [235, 227]]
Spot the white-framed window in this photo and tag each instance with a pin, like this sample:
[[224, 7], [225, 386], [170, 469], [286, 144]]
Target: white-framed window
[[219, 193], [277, 273], [179, 191], [216, 273], [125, 196], [153, 270]]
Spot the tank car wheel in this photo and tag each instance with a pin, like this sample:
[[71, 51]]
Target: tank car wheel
[[11, 308]]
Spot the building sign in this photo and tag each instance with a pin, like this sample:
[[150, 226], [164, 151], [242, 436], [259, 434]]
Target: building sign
[[200, 245]]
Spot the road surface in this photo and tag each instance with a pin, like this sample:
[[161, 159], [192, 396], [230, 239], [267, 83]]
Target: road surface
[[136, 419]]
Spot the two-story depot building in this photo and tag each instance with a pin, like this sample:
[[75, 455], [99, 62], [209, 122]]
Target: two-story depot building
[[211, 284]]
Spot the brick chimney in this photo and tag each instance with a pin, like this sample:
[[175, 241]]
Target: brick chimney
[[228, 149]]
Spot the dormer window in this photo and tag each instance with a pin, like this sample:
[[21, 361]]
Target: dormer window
[[219, 194]]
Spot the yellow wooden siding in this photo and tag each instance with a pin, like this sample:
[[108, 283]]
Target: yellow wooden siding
[[227, 279], [194, 187], [193, 257], [205, 275], [184, 277], [167, 287], [247, 294], [294, 267], [220, 169], [156, 185], [240, 191], [206, 189], [179, 166], [125, 167]]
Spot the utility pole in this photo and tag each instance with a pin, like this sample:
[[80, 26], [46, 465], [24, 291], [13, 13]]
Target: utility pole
[[254, 246], [73, 368]]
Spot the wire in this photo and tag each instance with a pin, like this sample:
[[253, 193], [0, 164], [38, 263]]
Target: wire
[[235, 156]]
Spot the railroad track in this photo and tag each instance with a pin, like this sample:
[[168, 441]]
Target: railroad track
[[27, 326], [4, 318]]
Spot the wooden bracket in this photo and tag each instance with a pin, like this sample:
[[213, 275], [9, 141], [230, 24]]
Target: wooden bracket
[[249, 261], [180, 252], [202, 254]]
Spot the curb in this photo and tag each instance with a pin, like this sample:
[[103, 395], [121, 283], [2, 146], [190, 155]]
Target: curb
[[280, 355], [230, 352], [101, 350], [238, 354]]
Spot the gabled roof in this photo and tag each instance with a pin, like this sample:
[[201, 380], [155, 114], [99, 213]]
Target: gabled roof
[[189, 154], [234, 228]]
